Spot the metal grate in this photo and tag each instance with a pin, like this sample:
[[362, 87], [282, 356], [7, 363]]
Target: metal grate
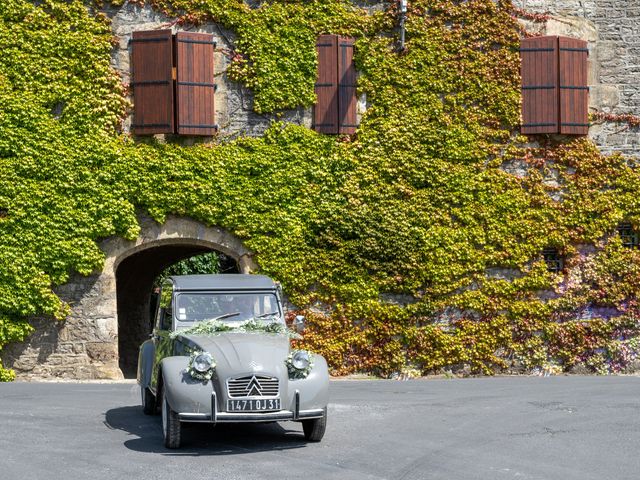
[[553, 259], [628, 235], [253, 386]]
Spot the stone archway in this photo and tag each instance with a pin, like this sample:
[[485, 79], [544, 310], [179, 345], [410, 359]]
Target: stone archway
[[86, 344]]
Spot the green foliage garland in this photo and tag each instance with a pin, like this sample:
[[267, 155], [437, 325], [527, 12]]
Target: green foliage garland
[[410, 245], [214, 327]]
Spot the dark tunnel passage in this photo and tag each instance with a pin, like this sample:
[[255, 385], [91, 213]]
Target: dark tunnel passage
[[135, 277]]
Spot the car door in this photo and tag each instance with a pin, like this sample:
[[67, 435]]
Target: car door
[[163, 328]]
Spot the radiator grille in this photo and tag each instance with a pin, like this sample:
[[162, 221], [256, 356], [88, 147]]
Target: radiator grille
[[253, 386]]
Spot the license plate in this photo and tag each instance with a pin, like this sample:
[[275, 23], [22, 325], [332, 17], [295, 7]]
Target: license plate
[[253, 405]]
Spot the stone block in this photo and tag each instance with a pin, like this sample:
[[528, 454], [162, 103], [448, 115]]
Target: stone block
[[606, 50], [70, 348], [25, 363], [102, 352], [82, 330], [108, 371], [603, 96], [571, 26], [633, 367], [632, 139], [580, 369]]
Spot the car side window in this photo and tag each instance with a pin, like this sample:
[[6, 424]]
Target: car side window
[[165, 312]]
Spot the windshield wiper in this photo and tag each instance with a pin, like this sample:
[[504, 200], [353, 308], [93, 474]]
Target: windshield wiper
[[267, 314], [226, 315]]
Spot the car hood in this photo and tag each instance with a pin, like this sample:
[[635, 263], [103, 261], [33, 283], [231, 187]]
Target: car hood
[[240, 353]]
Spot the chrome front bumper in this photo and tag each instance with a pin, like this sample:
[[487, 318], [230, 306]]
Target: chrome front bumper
[[239, 417]]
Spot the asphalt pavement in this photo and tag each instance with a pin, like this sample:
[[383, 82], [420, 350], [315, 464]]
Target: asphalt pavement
[[521, 428]]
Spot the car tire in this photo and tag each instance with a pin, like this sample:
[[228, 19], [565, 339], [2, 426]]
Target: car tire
[[171, 426], [314, 429], [148, 401]]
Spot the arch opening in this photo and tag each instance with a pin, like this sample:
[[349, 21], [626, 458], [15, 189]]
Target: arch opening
[[135, 278], [110, 309]]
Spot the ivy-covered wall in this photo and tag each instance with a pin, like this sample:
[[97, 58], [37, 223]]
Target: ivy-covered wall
[[612, 30], [413, 246]]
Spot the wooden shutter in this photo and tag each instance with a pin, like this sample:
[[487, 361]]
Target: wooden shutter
[[539, 71], [195, 86], [574, 92], [346, 86], [325, 117], [335, 110], [152, 63]]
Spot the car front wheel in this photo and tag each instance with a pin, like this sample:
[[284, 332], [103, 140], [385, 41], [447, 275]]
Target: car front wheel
[[314, 429], [171, 426]]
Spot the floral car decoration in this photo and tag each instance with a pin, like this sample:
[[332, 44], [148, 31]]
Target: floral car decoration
[[212, 327], [201, 366], [299, 364]]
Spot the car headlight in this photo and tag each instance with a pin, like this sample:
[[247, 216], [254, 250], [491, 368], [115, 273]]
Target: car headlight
[[300, 360], [299, 364], [201, 366], [203, 362]]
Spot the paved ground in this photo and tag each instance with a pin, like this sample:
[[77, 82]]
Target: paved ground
[[561, 428]]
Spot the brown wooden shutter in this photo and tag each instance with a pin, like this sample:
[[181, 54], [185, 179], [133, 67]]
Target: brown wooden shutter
[[539, 71], [346, 86], [195, 85], [574, 92], [152, 81], [325, 117]]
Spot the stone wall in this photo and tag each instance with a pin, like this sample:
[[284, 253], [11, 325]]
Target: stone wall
[[612, 28], [233, 102], [85, 345]]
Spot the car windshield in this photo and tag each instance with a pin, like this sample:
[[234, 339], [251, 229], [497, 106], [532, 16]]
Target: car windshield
[[230, 308]]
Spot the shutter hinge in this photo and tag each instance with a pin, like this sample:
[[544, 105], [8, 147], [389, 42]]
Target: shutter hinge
[[568, 49], [537, 49], [174, 73], [199, 84]]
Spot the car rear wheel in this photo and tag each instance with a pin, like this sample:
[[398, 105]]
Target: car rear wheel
[[171, 426], [148, 401], [314, 429]]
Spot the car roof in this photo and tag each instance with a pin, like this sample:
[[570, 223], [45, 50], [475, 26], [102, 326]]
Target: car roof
[[224, 281]]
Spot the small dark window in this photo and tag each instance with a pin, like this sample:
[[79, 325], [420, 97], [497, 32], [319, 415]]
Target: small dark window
[[554, 259], [628, 235]]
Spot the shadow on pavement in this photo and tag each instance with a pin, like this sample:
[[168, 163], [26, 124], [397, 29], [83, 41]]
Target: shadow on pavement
[[202, 439]]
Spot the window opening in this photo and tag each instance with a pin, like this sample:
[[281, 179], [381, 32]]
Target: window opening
[[554, 259], [628, 235]]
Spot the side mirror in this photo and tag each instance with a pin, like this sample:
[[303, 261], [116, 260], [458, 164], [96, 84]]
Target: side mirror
[[299, 323], [165, 318], [279, 292]]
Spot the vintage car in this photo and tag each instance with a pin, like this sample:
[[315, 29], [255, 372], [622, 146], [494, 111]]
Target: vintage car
[[220, 353]]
